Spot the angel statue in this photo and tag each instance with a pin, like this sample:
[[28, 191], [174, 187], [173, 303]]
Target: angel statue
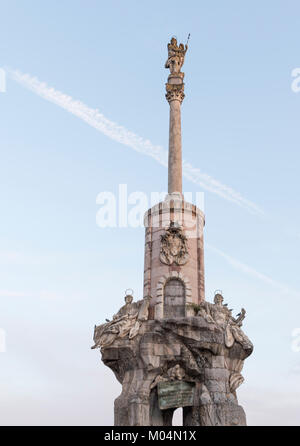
[[176, 56], [219, 314], [126, 322]]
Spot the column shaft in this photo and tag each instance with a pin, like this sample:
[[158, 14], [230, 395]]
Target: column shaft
[[175, 156]]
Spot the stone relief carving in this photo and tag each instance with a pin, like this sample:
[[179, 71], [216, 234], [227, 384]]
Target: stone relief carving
[[125, 323], [175, 373], [176, 55], [218, 313], [174, 246]]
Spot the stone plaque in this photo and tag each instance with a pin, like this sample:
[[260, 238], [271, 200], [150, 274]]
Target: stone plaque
[[175, 394]]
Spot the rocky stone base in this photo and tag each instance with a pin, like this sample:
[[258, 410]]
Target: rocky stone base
[[187, 349]]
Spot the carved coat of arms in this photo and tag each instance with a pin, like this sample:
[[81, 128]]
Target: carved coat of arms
[[173, 247]]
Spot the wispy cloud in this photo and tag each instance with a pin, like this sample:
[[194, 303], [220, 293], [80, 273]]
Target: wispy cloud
[[256, 274], [120, 134]]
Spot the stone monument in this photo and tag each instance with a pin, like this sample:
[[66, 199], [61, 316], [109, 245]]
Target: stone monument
[[172, 348]]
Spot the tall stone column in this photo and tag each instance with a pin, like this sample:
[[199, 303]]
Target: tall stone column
[[175, 96]]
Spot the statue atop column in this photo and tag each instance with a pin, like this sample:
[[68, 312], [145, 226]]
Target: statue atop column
[[176, 55], [175, 96]]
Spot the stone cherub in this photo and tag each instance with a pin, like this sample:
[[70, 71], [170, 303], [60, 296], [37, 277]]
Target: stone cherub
[[219, 314], [126, 321], [176, 55]]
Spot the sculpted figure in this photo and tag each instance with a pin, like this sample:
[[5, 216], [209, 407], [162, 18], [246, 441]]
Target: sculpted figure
[[175, 373], [126, 321], [221, 315], [176, 56]]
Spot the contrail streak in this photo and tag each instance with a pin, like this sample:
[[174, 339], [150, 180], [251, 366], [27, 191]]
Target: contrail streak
[[120, 134], [252, 272]]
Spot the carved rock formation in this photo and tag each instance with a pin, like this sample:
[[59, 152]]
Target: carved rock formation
[[166, 352]]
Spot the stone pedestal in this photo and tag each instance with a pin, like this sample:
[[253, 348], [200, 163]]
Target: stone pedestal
[[186, 350]]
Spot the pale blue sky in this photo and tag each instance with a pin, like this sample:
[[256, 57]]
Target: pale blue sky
[[60, 273]]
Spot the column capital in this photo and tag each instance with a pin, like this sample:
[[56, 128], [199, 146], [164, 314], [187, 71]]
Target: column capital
[[175, 92]]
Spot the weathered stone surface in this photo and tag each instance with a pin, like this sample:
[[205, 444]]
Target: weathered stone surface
[[185, 352], [217, 374]]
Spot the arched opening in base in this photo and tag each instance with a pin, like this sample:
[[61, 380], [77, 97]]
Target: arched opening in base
[[177, 419]]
